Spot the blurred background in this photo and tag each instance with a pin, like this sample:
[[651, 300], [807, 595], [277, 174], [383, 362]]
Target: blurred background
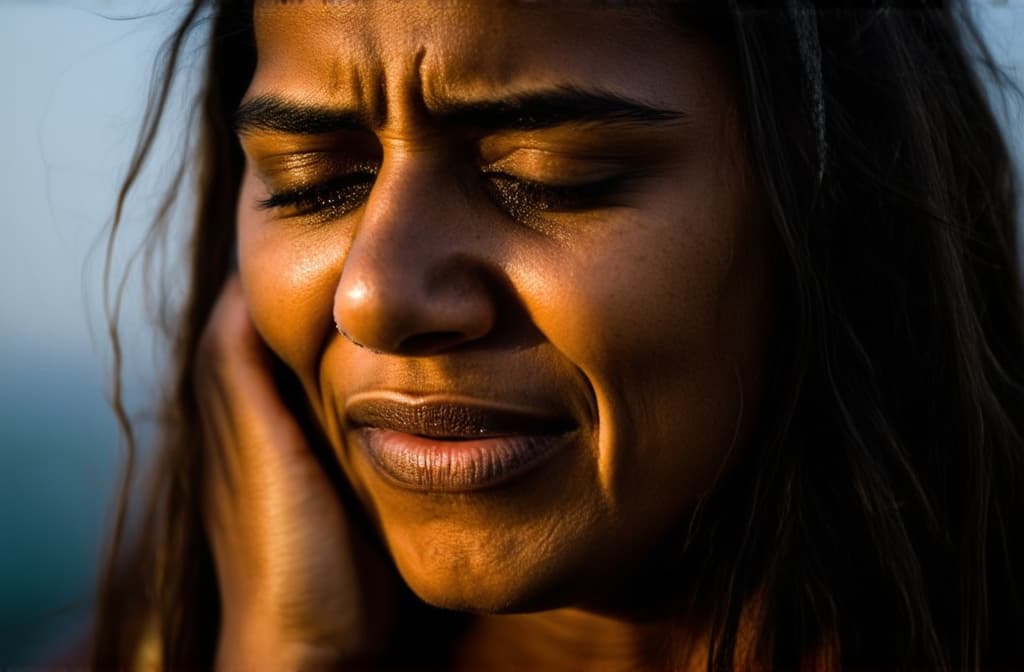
[[74, 77]]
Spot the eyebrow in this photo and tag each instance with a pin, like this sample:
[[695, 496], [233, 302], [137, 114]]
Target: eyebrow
[[553, 107], [526, 112]]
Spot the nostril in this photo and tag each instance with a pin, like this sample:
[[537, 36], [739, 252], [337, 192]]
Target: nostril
[[410, 304], [429, 343]]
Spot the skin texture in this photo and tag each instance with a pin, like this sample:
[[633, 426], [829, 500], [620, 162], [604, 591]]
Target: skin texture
[[292, 594], [640, 314]]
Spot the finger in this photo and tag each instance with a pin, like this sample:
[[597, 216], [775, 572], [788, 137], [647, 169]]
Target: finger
[[256, 452], [233, 353], [243, 421]]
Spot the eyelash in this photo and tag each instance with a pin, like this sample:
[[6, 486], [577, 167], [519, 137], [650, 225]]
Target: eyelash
[[333, 197], [522, 199]]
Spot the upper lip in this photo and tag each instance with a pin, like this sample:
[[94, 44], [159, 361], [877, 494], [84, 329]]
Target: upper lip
[[451, 418]]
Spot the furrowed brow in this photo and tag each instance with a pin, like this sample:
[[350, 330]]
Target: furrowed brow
[[525, 112], [554, 107], [269, 113]]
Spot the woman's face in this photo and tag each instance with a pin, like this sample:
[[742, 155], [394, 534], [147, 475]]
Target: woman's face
[[515, 255]]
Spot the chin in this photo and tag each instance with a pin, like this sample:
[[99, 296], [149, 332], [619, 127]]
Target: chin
[[504, 596], [503, 578]]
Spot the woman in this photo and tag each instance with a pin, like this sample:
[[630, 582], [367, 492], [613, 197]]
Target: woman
[[571, 336]]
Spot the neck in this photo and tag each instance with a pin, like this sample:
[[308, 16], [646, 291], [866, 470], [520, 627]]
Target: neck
[[564, 639], [598, 641]]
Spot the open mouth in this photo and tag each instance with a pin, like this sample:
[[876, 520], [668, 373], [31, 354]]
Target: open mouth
[[440, 445]]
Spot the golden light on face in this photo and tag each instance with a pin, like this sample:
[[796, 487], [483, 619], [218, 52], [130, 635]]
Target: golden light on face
[[516, 258]]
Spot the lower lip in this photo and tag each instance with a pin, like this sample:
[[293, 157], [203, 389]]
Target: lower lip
[[433, 465]]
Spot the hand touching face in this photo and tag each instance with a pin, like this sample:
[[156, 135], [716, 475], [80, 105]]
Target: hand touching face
[[515, 254]]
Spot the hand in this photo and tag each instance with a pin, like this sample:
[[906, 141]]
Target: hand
[[297, 583]]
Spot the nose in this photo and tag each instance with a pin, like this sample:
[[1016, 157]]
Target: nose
[[412, 282]]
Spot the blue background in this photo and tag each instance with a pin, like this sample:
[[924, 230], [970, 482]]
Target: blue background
[[74, 79]]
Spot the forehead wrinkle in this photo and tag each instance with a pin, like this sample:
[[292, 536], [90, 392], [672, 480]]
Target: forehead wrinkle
[[388, 73], [449, 73], [348, 74], [364, 87], [468, 67], [394, 78]]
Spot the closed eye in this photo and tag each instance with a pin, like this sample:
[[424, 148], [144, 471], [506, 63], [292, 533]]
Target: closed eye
[[331, 198], [524, 199]]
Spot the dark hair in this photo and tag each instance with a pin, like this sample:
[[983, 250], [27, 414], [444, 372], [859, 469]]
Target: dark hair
[[876, 519]]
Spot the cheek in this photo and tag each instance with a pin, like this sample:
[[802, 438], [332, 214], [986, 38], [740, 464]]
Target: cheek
[[664, 316], [289, 277], [632, 296]]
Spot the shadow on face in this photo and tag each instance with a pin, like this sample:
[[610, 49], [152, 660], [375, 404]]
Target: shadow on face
[[516, 258]]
